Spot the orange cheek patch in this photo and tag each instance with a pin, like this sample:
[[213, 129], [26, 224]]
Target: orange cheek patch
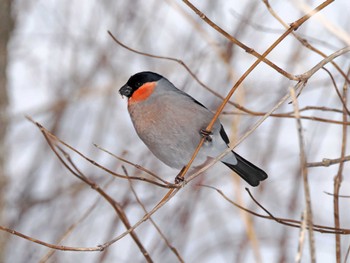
[[142, 92]]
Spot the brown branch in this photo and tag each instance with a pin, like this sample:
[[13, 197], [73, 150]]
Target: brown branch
[[171, 193], [70, 229], [117, 207], [280, 115], [289, 116], [320, 108], [49, 137], [283, 221], [297, 224], [179, 61], [307, 75], [339, 177], [303, 41], [51, 140], [58, 247], [303, 163], [328, 162], [341, 196], [298, 86], [343, 100], [301, 241], [172, 248], [139, 167], [48, 133], [323, 62], [347, 255], [238, 43], [294, 26]]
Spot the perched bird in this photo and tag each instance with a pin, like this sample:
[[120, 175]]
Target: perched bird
[[171, 123]]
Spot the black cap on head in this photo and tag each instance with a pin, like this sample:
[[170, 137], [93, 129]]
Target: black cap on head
[[137, 81], [141, 78]]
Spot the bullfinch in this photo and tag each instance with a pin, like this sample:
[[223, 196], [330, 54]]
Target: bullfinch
[[171, 123]]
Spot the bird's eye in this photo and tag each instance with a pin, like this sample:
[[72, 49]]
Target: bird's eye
[[138, 84]]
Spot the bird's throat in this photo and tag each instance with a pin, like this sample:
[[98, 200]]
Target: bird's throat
[[142, 93]]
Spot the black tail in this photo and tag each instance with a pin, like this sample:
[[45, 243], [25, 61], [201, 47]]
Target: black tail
[[248, 171]]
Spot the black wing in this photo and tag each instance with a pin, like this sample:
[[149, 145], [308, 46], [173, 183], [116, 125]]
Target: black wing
[[224, 135]]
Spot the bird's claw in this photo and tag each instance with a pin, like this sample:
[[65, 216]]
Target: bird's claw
[[207, 135], [179, 179]]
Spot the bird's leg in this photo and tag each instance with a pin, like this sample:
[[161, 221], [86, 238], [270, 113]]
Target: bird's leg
[[208, 138], [180, 178], [206, 134]]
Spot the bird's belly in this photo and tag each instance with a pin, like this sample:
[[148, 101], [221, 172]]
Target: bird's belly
[[172, 144], [171, 131], [171, 139]]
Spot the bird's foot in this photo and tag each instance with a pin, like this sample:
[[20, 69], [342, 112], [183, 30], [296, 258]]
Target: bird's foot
[[206, 134], [179, 179]]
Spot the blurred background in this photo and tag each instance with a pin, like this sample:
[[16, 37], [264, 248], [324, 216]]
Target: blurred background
[[60, 67]]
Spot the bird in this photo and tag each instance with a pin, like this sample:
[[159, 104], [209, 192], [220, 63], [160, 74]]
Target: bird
[[171, 123]]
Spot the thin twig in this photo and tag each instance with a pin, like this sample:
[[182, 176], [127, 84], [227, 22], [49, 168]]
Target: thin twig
[[283, 221], [286, 115], [341, 196], [303, 41], [179, 61], [171, 193], [347, 255], [294, 26], [70, 229], [117, 207], [301, 240], [307, 75], [250, 131], [172, 248], [328, 162], [51, 140], [343, 102], [289, 116], [58, 247], [304, 172], [52, 136], [237, 42], [324, 61], [136, 166], [49, 137], [339, 177]]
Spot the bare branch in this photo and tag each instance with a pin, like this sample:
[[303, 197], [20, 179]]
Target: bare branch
[[172, 248], [308, 215], [339, 177], [328, 162]]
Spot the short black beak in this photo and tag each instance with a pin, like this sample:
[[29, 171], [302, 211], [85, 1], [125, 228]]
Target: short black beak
[[126, 91]]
